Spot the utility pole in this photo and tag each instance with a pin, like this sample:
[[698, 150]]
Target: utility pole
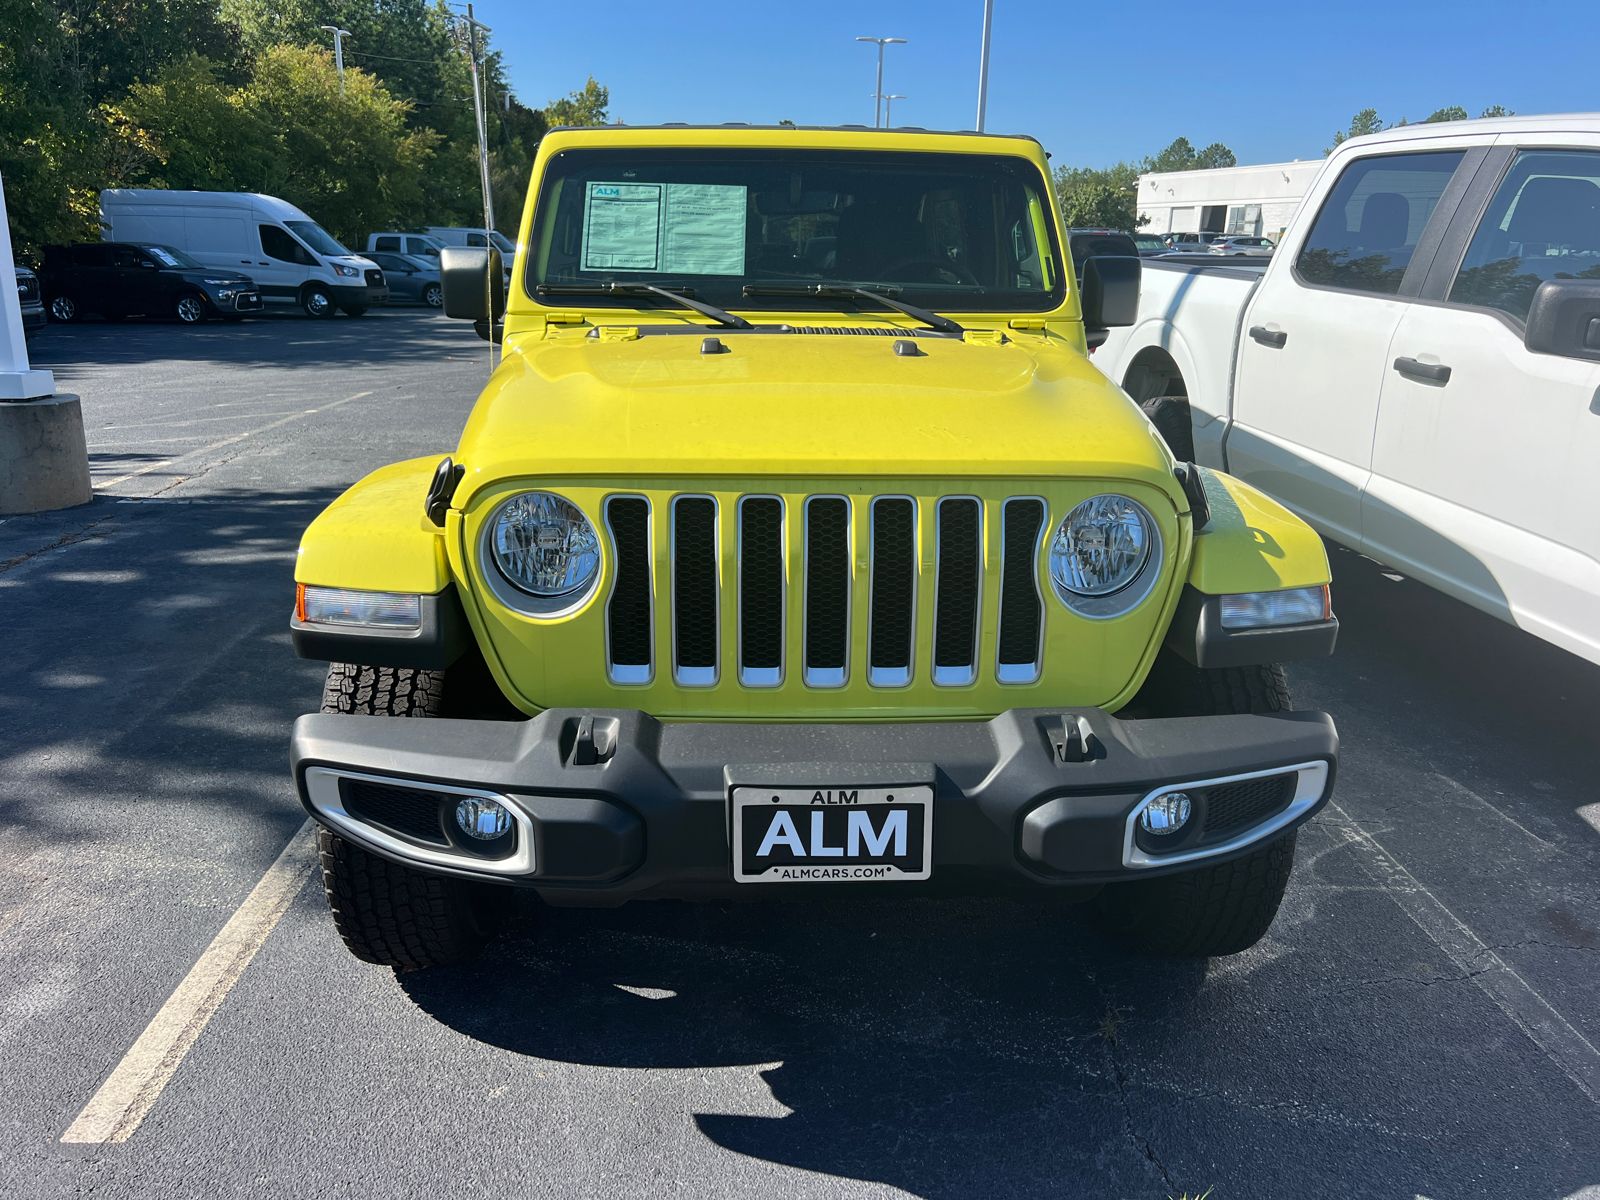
[[473, 25], [339, 36], [983, 63], [877, 92], [888, 109]]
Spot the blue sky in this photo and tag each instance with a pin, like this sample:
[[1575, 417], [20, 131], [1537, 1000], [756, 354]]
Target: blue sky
[[1093, 82]]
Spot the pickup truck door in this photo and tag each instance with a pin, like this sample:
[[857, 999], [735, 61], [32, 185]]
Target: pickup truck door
[[1486, 464], [1313, 351]]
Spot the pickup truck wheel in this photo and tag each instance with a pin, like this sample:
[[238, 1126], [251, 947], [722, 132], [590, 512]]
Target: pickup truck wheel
[[1220, 909], [387, 913], [1170, 416]]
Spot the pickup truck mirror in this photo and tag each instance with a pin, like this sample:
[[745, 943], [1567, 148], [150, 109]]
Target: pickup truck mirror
[[474, 285], [1565, 319], [1110, 295]]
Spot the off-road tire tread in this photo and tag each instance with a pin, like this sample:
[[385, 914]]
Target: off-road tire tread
[[1170, 416], [386, 913], [1228, 907], [393, 916]]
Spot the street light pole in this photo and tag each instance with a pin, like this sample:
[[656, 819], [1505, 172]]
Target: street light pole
[[888, 109], [877, 92], [338, 51], [983, 63], [473, 25]]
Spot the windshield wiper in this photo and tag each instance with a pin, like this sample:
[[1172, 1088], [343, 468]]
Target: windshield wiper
[[849, 290], [615, 288]]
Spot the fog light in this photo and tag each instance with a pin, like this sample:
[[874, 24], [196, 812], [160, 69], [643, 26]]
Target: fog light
[[1166, 814], [482, 818]]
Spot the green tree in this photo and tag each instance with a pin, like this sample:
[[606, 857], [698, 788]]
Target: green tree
[[1454, 113], [1181, 155], [1364, 122], [586, 106], [1095, 197]]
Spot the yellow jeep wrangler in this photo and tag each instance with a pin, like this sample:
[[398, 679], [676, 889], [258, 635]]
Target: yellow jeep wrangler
[[795, 542]]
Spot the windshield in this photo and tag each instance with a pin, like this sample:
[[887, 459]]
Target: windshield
[[967, 232], [1148, 241], [315, 236], [169, 256]]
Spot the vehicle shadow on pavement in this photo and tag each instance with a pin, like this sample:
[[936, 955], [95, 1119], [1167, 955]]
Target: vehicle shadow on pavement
[[947, 1047]]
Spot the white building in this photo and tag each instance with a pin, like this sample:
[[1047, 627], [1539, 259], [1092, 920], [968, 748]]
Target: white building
[[1252, 200]]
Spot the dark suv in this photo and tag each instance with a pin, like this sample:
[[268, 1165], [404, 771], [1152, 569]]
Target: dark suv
[[1099, 243], [124, 279]]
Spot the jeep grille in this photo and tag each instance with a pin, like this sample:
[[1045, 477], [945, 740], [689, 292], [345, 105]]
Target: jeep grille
[[770, 590]]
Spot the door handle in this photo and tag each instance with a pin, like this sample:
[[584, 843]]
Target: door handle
[[1432, 372], [1276, 338]]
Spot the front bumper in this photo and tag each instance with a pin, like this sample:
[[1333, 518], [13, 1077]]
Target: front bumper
[[358, 295], [612, 805], [33, 318]]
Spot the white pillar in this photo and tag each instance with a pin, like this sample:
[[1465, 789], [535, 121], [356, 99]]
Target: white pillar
[[18, 381]]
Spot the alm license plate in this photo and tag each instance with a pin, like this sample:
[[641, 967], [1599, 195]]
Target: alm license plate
[[832, 834]]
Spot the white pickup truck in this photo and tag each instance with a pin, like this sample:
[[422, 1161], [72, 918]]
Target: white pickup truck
[[1417, 369]]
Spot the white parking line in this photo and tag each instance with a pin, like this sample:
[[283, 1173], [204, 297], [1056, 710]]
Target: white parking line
[[1575, 1054], [128, 1093], [225, 442]]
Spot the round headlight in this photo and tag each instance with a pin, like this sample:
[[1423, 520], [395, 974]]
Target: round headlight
[[1101, 546], [543, 545]]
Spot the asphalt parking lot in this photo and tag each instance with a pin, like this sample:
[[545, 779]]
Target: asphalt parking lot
[[1421, 1022]]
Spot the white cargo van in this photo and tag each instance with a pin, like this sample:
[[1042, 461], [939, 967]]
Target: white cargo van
[[292, 259], [465, 235]]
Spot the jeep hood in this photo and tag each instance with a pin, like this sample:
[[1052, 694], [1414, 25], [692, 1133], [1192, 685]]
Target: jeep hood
[[809, 405]]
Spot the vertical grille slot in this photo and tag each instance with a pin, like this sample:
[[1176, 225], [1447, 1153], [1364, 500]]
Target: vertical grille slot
[[960, 578], [628, 617], [894, 591], [1021, 606], [694, 590], [827, 576], [761, 591]]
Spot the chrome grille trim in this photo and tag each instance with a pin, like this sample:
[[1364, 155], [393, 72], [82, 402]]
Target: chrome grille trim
[[633, 673], [891, 675], [956, 674], [763, 676], [1022, 672], [826, 676], [697, 675]]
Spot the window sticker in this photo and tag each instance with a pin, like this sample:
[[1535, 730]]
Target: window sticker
[[622, 227], [159, 253], [674, 228]]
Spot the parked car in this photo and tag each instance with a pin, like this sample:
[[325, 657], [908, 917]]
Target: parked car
[[770, 606], [1242, 246], [293, 260], [410, 278], [1191, 243], [417, 245], [30, 298], [127, 279], [1149, 245], [1098, 243], [466, 235], [1416, 370]]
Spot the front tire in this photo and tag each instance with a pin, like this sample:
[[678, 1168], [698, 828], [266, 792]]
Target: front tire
[[386, 913], [1170, 416], [190, 308], [433, 296], [316, 302], [64, 309], [1229, 906]]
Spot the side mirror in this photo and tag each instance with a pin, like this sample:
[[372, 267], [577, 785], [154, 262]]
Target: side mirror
[[1109, 296], [1565, 319], [474, 285]]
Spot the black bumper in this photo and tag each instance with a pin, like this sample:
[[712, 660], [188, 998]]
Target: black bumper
[[358, 295], [34, 319], [614, 804]]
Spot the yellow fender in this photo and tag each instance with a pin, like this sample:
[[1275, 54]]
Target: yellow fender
[[376, 537], [1252, 543]]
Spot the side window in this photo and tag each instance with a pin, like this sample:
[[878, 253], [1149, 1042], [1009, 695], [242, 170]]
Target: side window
[[276, 243], [386, 243], [1543, 223], [1369, 225], [476, 239], [418, 246], [91, 255], [126, 258]]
